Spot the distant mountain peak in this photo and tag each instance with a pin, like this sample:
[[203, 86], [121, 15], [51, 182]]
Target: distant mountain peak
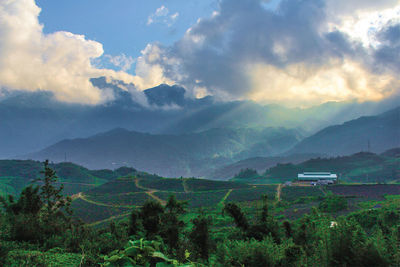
[[166, 95]]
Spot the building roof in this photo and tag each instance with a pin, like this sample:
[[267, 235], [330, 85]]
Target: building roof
[[315, 176]]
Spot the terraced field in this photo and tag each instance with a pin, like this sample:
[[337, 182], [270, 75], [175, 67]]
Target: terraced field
[[90, 212], [128, 199], [196, 185], [163, 184], [117, 186], [251, 194], [197, 199], [370, 192], [291, 193], [118, 197]]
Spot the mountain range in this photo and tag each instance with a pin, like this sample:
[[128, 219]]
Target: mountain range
[[372, 133], [192, 154], [211, 153], [31, 121]]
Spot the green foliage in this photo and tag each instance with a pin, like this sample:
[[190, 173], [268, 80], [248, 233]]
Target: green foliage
[[172, 225], [246, 174], [197, 199], [360, 167], [257, 253], [151, 213], [41, 213], [293, 193], [38, 258], [200, 237], [163, 184], [139, 253], [253, 193], [196, 185], [333, 203], [35, 229], [237, 215]]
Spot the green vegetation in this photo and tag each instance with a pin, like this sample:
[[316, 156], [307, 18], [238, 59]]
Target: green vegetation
[[333, 204], [17, 174], [246, 174], [360, 167], [196, 185], [252, 194], [234, 225], [196, 200], [164, 184]]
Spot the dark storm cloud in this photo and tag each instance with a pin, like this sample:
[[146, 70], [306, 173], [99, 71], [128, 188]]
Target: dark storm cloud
[[215, 50], [388, 55]]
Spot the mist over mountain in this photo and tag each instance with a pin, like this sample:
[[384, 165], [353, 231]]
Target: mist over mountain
[[192, 154], [369, 133], [32, 121]]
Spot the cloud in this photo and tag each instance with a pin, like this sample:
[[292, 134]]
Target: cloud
[[60, 62], [163, 16], [300, 53], [122, 61]]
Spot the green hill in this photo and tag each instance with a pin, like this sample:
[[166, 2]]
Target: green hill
[[359, 167], [16, 174]]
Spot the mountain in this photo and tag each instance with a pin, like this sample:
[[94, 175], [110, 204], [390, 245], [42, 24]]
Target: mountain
[[31, 121], [372, 133], [191, 154], [16, 174], [359, 167], [260, 164]]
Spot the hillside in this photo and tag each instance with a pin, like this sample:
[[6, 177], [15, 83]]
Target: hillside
[[381, 132], [16, 174], [359, 167], [171, 155], [260, 164]]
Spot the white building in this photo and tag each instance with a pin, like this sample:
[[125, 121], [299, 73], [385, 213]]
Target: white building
[[316, 176]]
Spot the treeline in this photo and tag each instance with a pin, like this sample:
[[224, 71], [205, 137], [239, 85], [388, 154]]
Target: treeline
[[40, 223]]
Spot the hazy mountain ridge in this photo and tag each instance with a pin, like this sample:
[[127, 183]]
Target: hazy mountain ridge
[[372, 133], [171, 155], [32, 121], [260, 164]]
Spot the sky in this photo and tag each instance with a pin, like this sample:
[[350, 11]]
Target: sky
[[290, 52]]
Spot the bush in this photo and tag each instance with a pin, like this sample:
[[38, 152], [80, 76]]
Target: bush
[[333, 204], [250, 253]]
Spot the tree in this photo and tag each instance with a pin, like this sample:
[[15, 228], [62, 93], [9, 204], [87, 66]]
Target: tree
[[200, 236], [51, 194], [172, 226], [134, 224], [150, 214], [236, 213], [23, 215]]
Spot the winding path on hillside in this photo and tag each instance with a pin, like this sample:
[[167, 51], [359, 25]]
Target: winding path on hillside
[[110, 219], [185, 187], [150, 192], [225, 197], [278, 192], [84, 198]]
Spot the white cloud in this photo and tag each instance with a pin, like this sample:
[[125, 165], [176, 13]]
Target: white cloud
[[162, 15], [300, 84], [149, 70], [363, 23], [60, 62], [122, 61]]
